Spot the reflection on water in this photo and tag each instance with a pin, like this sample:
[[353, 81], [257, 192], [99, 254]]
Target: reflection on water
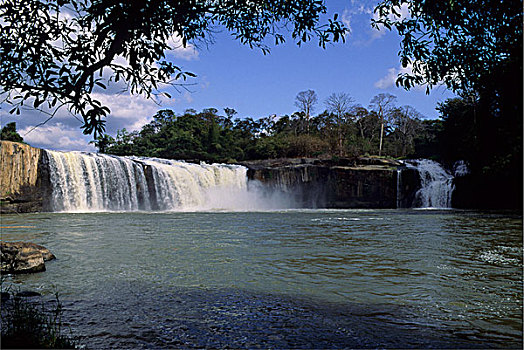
[[311, 278]]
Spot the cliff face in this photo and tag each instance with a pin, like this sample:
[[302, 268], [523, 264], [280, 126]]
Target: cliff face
[[357, 183], [310, 183], [20, 178], [363, 187]]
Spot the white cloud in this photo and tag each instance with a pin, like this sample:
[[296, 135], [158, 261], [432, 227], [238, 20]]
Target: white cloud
[[381, 31], [346, 19], [63, 131], [358, 16], [188, 97], [357, 8], [127, 111], [361, 7], [57, 136], [389, 80], [188, 53]]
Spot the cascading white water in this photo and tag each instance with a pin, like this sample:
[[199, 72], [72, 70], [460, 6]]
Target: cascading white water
[[436, 184], [84, 181], [180, 185], [97, 182], [460, 168]]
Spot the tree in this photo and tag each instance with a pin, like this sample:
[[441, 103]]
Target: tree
[[306, 102], [458, 42], [230, 112], [56, 53], [383, 104], [458, 137], [340, 104], [474, 48], [360, 113], [9, 133], [103, 142], [406, 123], [427, 141]]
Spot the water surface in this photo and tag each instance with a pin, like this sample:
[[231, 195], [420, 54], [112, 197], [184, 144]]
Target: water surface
[[296, 278]]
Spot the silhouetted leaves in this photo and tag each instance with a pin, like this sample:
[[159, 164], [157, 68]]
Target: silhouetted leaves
[[60, 52]]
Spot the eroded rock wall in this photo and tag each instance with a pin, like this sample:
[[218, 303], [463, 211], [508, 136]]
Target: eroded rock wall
[[363, 187], [355, 183], [20, 178]]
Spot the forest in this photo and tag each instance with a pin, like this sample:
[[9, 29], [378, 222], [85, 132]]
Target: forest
[[342, 129]]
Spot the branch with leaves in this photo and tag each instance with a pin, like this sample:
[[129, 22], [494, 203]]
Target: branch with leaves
[[57, 53]]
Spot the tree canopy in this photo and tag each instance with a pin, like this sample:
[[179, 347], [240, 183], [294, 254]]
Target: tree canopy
[[457, 42], [344, 129], [9, 133], [475, 48], [55, 53]]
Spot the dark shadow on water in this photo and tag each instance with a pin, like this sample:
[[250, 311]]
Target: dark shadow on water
[[127, 315]]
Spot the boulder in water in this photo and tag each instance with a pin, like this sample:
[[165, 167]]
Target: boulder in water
[[24, 257]]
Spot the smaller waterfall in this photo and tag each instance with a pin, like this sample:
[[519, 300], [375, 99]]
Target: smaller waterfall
[[436, 184], [399, 187], [460, 168]]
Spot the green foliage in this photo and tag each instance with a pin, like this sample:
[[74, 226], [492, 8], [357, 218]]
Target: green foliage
[[348, 131], [459, 129], [428, 140], [458, 42], [9, 133], [102, 142], [492, 147], [306, 146], [28, 325], [57, 53], [475, 48]]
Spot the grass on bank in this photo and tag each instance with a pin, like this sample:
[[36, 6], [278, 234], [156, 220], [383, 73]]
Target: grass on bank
[[28, 324]]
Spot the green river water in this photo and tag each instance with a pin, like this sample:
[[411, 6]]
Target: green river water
[[282, 279]]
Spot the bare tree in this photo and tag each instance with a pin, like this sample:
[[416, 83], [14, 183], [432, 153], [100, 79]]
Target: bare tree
[[340, 104], [383, 104], [306, 101], [406, 121]]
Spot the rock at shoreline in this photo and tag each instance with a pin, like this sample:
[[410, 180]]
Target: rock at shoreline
[[24, 257]]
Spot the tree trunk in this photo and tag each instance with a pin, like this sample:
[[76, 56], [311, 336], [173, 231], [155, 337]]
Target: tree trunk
[[339, 141], [380, 143]]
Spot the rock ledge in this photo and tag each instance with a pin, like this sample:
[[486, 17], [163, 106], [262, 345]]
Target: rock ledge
[[24, 257]]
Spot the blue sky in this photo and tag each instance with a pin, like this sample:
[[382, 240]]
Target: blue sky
[[256, 85]]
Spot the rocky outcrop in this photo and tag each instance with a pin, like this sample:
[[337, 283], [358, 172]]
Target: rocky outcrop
[[408, 185], [363, 187], [23, 257], [20, 178], [365, 182]]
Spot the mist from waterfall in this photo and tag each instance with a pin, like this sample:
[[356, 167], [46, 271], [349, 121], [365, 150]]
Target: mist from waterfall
[[436, 184], [83, 182]]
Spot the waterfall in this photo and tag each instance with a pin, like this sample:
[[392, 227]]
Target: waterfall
[[97, 182], [436, 184], [460, 168], [399, 187], [83, 181]]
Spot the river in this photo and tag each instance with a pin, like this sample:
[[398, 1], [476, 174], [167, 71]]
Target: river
[[281, 279]]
